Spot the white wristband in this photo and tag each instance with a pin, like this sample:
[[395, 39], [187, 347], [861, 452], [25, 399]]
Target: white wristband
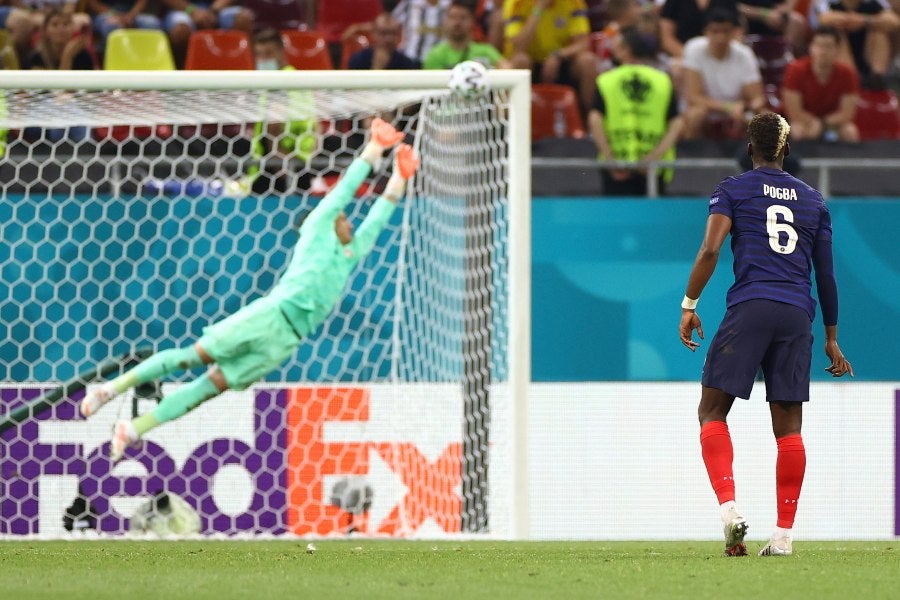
[[372, 153], [689, 303], [395, 187]]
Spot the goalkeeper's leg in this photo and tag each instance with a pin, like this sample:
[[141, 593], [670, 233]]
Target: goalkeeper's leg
[[174, 405], [158, 365]]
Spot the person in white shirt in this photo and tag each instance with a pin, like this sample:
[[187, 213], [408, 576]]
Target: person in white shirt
[[722, 81]]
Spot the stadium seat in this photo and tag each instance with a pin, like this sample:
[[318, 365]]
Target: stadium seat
[[554, 112], [719, 127], [138, 50], [306, 50], [877, 115], [220, 50], [278, 14], [352, 45], [334, 16]]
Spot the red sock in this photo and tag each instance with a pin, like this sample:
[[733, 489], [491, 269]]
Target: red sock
[[789, 470], [718, 455]]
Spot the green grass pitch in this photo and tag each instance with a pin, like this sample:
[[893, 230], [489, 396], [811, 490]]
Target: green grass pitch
[[131, 570]]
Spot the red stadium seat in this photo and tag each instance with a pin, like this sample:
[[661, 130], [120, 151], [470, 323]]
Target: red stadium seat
[[334, 16], [219, 50], [555, 112], [306, 50], [352, 45], [878, 115]]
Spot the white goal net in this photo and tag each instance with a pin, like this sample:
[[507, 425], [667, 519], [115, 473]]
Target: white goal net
[[138, 208]]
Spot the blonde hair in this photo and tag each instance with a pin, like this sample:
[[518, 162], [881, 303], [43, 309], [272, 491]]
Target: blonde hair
[[768, 134]]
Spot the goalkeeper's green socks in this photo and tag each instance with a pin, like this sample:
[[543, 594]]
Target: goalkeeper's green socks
[[179, 402], [145, 423], [158, 365]]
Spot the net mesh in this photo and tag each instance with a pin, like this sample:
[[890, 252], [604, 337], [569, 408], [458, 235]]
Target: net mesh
[[133, 219]]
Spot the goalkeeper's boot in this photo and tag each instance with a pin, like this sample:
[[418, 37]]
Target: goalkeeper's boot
[[735, 527], [96, 398], [124, 436], [777, 547]]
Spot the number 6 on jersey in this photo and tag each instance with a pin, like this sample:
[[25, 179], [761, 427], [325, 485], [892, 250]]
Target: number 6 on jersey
[[775, 229]]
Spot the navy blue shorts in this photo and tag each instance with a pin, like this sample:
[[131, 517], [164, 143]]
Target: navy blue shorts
[[762, 333]]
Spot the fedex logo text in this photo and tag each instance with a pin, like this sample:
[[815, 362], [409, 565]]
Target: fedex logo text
[[429, 484], [287, 445]]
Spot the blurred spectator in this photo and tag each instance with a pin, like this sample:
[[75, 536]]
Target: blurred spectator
[[268, 51], [774, 18], [61, 46], [722, 82], [17, 21], [683, 20], [276, 144], [119, 14], [458, 45], [820, 93], [384, 52], [422, 25], [490, 14], [24, 18], [622, 14], [183, 18], [597, 13], [552, 38], [866, 27], [635, 115], [40, 8]]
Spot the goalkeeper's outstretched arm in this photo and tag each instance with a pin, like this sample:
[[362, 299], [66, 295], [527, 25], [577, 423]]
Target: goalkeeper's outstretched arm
[[382, 136], [405, 165]]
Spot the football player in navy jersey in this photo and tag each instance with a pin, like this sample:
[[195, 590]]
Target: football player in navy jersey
[[779, 227]]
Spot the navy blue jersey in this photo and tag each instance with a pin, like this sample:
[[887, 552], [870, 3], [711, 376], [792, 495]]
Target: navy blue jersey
[[777, 223]]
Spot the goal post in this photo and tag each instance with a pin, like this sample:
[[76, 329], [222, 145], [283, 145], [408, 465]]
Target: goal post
[[140, 206]]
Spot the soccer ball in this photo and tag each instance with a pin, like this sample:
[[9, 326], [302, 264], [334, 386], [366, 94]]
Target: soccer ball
[[468, 79]]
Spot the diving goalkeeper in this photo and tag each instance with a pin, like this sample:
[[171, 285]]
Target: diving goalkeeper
[[255, 340]]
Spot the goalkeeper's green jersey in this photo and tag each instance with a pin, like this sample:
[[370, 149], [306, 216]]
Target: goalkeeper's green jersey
[[315, 278]]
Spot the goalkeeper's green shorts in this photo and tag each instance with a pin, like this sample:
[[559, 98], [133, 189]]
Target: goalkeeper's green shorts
[[251, 343]]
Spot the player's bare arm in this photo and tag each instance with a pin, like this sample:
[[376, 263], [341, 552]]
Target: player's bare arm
[[839, 365], [717, 228]]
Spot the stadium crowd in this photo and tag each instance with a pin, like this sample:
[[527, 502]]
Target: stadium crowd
[[831, 67]]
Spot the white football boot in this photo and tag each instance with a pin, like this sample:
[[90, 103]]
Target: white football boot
[[96, 398], [123, 437], [777, 547], [735, 527]]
